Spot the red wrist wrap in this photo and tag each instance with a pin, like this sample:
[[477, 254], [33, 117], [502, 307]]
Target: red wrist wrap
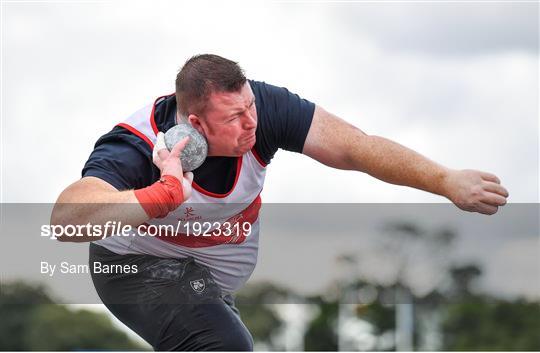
[[162, 197]]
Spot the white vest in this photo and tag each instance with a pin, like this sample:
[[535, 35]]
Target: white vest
[[231, 259]]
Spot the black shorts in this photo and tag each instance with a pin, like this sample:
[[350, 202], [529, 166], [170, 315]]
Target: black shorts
[[173, 304]]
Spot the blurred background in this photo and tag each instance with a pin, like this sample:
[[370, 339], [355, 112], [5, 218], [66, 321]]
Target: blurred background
[[456, 81]]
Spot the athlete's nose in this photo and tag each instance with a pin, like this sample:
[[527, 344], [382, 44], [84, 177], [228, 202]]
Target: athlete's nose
[[250, 122]]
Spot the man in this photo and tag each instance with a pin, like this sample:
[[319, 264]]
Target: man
[[179, 298]]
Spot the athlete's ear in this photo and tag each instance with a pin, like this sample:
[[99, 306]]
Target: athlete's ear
[[197, 123]]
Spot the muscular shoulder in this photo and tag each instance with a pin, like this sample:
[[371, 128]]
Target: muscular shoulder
[[122, 159], [284, 119]]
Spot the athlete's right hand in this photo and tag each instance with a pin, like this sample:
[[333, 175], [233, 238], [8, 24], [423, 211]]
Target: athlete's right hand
[[169, 162], [475, 191]]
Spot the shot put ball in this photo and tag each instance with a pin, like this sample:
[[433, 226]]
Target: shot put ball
[[196, 150]]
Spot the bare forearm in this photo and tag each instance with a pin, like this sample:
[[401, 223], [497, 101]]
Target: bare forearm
[[89, 202], [393, 163]]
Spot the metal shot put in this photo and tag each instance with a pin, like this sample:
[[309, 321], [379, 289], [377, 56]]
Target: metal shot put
[[196, 150]]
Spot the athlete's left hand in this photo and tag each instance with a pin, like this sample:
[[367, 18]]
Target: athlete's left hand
[[475, 191]]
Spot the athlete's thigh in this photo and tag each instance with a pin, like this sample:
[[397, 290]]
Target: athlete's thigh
[[171, 303]]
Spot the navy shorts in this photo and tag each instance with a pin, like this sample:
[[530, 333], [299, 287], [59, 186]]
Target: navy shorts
[[173, 304]]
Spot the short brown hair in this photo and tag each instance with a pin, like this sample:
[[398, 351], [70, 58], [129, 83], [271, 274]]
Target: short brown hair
[[202, 75]]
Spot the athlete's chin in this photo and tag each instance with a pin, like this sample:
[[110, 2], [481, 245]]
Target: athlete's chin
[[243, 149], [250, 146]]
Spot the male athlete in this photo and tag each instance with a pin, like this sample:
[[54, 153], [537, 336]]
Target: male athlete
[[180, 296]]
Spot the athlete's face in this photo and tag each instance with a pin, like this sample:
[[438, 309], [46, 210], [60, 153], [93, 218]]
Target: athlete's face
[[229, 122]]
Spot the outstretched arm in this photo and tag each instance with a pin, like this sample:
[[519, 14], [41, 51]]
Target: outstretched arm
[[338, 144]]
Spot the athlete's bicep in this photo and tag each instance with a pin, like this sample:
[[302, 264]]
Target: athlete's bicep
[[330, 139]]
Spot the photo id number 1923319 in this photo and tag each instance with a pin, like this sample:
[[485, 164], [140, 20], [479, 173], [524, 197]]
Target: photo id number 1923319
[[208, 229]]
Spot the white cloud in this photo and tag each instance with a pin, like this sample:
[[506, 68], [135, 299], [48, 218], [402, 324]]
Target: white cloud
[[72, 71], [466, 113], [445, 28]]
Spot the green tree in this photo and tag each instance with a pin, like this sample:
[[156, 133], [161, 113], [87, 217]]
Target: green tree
[[481, 323], [56, 328], [256, 304], [454, 314], [31, 321], [321, 334], [18, 302], [383, 319]]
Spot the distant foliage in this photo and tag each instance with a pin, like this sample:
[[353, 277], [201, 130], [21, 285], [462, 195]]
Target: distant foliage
[[256, 304], [31, 321], [485, 324], [322, 332]]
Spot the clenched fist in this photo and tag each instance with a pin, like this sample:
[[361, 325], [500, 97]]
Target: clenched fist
[[475, 191]]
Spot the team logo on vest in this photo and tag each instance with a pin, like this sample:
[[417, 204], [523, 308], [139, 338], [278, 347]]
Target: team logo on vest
[[190, 215], [197, 285], [189, 211]]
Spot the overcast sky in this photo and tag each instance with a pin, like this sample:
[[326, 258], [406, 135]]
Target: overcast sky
[[457, 82]]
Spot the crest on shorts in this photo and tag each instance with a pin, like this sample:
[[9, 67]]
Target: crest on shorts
[[197, 285]]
